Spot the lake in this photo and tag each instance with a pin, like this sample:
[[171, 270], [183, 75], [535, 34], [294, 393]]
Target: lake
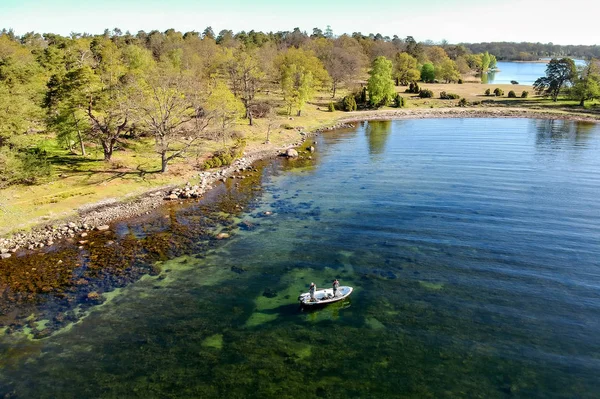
[[523, 72], [473, 246]]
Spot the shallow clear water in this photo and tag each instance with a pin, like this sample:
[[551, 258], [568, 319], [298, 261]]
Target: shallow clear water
[[523, 72], [473, 246]]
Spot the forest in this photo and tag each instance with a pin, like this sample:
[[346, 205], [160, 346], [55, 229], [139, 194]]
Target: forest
[[181, 89]]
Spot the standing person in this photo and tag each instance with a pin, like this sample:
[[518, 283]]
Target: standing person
[[312, 290], [336, 284]]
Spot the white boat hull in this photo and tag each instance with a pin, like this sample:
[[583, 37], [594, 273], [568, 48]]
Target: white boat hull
[[325, 296]]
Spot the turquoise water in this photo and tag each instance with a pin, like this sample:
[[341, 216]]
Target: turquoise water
[[472, 244], [523, 72]]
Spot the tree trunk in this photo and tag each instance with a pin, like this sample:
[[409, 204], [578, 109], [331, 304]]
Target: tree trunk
[[107, 147], [299, 112], [581, 103], [250, 118], [397, 82], [81, 145], [164, 162], [334, 89]]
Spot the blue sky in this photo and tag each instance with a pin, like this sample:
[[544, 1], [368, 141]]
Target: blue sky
[[454, 20]]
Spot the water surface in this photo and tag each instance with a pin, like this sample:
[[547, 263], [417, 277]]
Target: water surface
[[523, 72], [472, 244]]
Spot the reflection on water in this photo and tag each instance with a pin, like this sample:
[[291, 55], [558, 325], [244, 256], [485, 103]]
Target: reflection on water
[[377, 133], [472, 244]]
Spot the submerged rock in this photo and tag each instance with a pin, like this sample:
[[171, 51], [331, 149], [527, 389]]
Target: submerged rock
[[269, 293], [238, 270]]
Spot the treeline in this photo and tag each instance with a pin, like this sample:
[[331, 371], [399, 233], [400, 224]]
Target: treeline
[[183, 88], [534, 51]]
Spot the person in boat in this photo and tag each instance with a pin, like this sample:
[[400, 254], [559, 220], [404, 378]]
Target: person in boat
[[336, 285], [312, 290]]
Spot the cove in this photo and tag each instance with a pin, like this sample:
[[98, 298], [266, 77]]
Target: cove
[[472, 244]]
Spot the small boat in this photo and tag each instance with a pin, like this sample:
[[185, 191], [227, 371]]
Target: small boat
[[323, 297]]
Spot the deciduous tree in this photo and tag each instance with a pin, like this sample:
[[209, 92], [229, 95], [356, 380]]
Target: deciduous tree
[[559, 72], [380, 84], [405, 69]]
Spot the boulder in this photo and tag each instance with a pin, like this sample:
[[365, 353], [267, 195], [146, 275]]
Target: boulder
[[5, 256], [103, 227], [291, 153], [222, 236]]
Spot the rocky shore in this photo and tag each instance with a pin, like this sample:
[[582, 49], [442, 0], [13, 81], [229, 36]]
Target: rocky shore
[[100, 215], [458, 112]]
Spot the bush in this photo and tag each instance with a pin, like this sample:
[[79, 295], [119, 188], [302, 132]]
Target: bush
[[23, 166], [363, 96], [349, 103], [524, 94], [286, 126], [331, 107], [460, 81], [413, 87], [462, 102], [514, 82], [498, 92], [426, 93], [488, 92], [399, 101], [511, 94], [226, 157], [449, 96]]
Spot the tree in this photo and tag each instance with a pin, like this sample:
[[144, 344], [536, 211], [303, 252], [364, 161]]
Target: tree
[[559, 72], [447, 71], [405, 69], [164, 108], [300, 73], [225, 108], [586, 88], [427, 73], [245, 76], [380, 85]]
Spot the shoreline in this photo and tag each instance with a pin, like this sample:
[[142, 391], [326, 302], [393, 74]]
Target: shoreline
[[99, 215]]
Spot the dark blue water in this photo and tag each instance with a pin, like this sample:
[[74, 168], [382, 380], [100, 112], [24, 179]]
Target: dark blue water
[[473, 246], [523, 72]]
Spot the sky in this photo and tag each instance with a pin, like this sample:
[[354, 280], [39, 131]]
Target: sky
[[455, 21]]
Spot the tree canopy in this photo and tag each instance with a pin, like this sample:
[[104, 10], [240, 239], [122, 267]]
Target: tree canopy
[[380, 85], [559, 72]]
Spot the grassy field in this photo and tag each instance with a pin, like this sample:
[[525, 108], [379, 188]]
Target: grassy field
[[77, 181]]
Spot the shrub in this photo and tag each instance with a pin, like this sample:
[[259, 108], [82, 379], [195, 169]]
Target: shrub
[[498, 92], [413, 87], [514, 82], [488, 92], [399, 101], [511, 94], [524, 94], [331, 107], [462, 102], [426, 93], [226, 157], [286, 126], [349, 103], [449, 96], [363, 96], [460, 81]]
